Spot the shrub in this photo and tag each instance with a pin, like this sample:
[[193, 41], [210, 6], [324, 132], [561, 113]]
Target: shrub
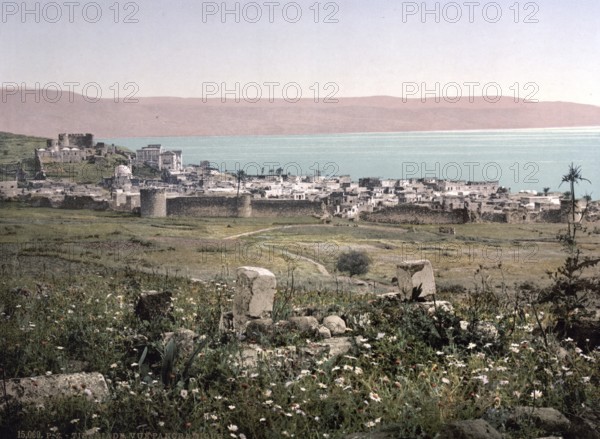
[[353, 262]]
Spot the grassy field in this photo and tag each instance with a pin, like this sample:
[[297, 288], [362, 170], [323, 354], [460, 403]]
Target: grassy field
[[70, 281], [211, 248]]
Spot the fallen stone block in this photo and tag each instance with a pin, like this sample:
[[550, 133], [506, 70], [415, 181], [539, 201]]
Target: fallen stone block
[[470, 429], [255, 292], [545, 418], [37, 390], [337, 345], [335, 324], [324, 332], [412, 274], [305, 324]]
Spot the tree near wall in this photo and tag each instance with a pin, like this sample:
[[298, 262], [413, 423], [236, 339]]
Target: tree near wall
[[573, 177]]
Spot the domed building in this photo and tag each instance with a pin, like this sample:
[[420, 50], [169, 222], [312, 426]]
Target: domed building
[[122, 176], [123, 171]]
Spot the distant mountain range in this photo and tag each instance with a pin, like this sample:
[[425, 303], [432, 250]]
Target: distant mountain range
[[167, 116]]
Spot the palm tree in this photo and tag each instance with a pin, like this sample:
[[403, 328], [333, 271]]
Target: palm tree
[[572, 177], [241, 175], [546, 190]]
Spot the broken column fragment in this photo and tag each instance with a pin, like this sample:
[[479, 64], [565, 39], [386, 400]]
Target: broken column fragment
[[255, 292], [412, 274]]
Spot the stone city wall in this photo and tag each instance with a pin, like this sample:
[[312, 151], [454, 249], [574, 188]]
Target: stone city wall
[[413, 214]]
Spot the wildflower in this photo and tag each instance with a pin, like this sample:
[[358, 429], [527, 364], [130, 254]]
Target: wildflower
[[375, 397], [585, 380], [231, 407], [536, 394], [482, 378], [74, 421], [232, 427], [60, 348], [445, 381], [113, 366], [48, 373], [183, 393], [471, 346], [161, 424]]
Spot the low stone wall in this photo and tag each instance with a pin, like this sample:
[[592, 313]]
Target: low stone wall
[[240, 207], [83, 202], [412, 214], [273, 208], [203, 206]]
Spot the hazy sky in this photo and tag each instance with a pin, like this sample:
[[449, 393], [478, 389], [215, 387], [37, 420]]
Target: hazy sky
[[172, 49]]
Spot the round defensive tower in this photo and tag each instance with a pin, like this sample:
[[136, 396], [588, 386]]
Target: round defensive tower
[[244, 207], [153, 203], [63, 140]]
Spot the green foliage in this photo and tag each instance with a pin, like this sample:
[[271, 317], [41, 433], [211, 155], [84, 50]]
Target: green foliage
[[411, 366], [353, 262], [572, 290]]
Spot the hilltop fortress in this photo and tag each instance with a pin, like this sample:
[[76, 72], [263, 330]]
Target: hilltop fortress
[[71, 148]]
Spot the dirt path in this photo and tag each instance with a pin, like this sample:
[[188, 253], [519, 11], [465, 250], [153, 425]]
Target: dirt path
[[254, 232], [322, 269], [319, 266]]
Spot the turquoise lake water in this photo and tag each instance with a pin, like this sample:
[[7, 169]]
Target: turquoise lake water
[[520, 159]]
